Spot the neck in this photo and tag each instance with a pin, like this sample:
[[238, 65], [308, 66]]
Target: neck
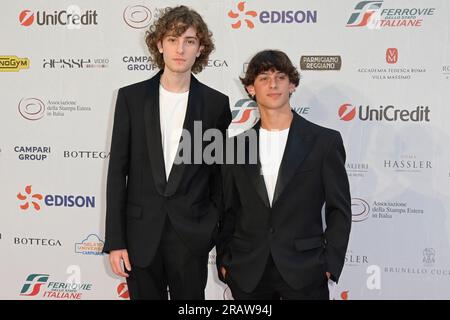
[[279, 119], [175, 82]]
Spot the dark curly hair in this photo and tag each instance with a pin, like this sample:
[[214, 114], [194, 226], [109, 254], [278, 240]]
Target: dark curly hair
[[270, 60], [176, 21]]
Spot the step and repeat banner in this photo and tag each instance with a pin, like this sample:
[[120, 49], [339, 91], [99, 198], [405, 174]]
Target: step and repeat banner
[[377, 71]]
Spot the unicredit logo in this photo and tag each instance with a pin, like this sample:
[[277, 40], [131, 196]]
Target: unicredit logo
[[70, 17], [390, 113]]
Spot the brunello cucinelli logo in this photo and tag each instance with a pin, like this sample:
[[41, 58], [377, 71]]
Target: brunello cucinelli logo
[[140, 17], [320, 63], [357, 169], [41, 242], [13, 63], [139, 63], [85, 154], [426, 266], [37, 108], [408, 163], [72, 18], [393, 68], [378, 14], [383, 113], [75, 63], [32, 153]]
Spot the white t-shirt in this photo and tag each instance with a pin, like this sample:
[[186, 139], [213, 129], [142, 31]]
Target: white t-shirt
[[172, 111], [271, 149]]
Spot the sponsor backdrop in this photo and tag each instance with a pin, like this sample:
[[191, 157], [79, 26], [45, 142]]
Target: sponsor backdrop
[[377, 71]]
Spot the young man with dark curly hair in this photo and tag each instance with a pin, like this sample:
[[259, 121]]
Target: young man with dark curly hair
[[273, 242], [162, 213]]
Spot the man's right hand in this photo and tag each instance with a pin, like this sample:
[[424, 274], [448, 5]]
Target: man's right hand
[[115, 258]]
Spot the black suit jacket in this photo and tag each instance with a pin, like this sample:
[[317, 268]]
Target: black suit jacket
[[138, 198], [312, 173]]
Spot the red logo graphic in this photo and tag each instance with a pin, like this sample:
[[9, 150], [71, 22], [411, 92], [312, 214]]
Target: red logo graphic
[[122, 291], [26, 18], [26, 197], [391, 55], [241, 9], [347, 112], [344, 295]]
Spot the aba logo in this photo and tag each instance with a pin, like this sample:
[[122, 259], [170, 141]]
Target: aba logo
[[33, 284], [365, 11], [28, 198], [347, 112]]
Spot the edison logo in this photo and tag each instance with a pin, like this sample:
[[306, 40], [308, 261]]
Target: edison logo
[[29, 198], [13, 63], [391, 55], [246, 14], [347, 112], [33, 284]]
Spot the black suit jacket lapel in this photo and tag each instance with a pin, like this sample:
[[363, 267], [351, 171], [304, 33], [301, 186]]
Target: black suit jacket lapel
[[254, 170], [298, 145], [153, 133]]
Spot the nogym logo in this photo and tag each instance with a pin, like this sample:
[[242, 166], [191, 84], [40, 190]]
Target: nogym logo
[[390, 113], [35, 199], [72, 17], [246, 18]]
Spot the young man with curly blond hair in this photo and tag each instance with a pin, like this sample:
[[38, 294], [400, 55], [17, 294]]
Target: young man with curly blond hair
[[162, 214]]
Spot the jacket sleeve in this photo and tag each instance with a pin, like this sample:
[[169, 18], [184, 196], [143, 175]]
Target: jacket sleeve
[[116, 186], [338, 216]]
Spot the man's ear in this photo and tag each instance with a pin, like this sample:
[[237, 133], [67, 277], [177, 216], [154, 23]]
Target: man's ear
[[251, 90], [291, 88], [160, 46], [200, 49]]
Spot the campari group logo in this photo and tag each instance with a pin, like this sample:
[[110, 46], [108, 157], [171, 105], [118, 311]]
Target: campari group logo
[[374, 15], [31, 201], [242, 17]]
